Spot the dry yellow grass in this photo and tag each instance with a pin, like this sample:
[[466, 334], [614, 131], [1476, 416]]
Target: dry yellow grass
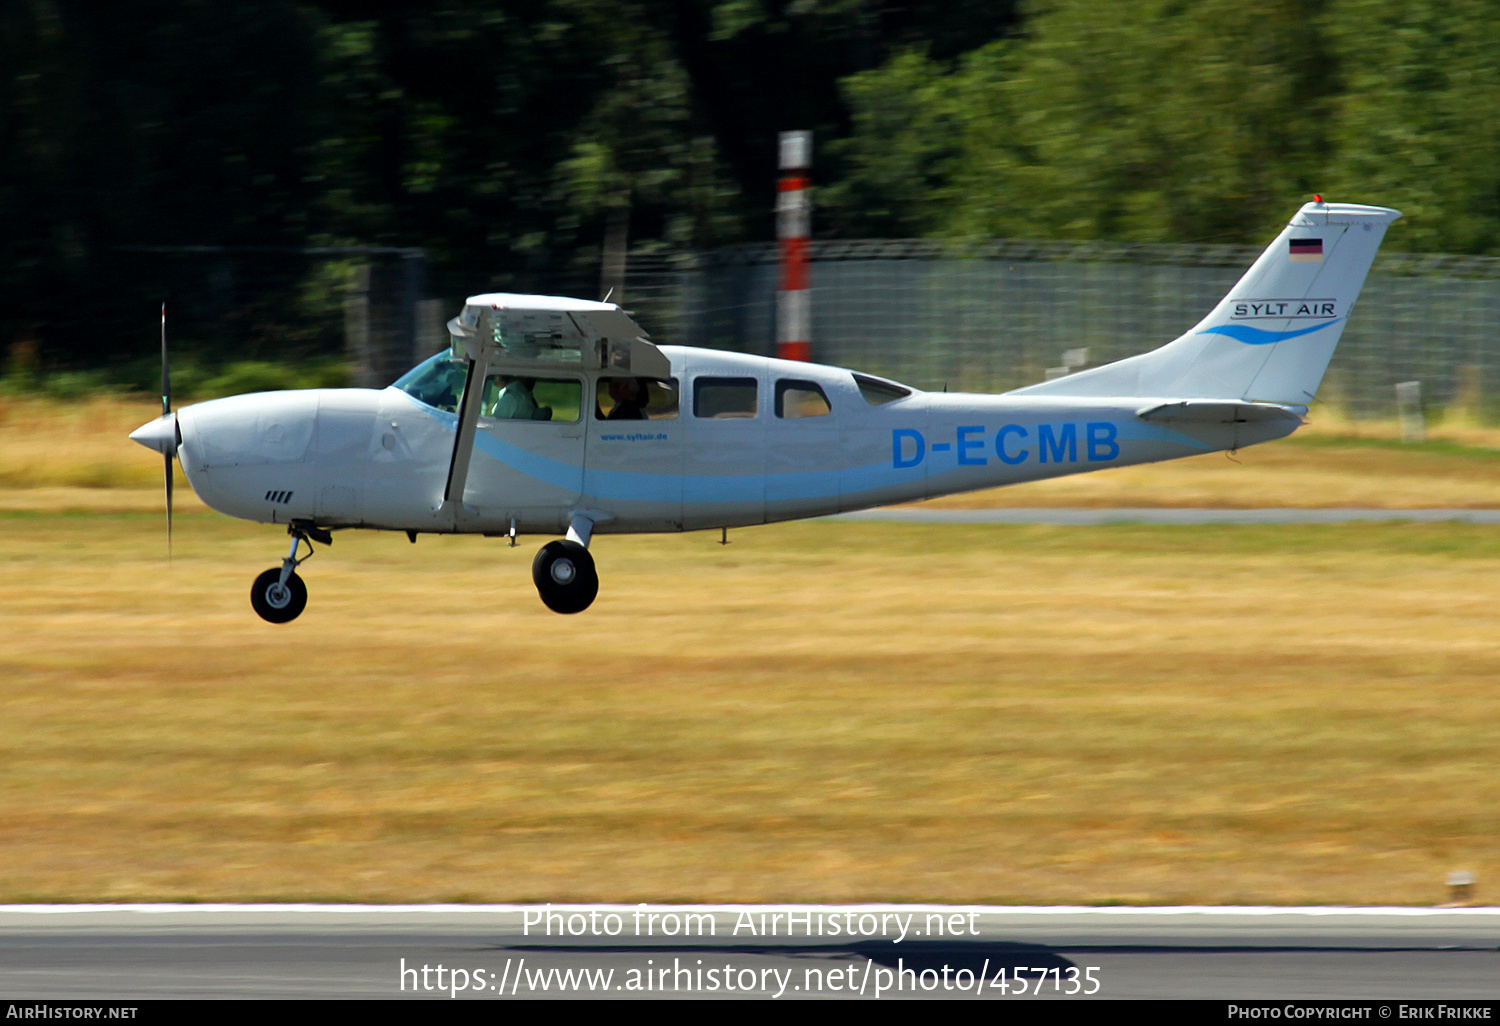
[[817, 712], [48, 443], [1330, 462], [1276, 474]]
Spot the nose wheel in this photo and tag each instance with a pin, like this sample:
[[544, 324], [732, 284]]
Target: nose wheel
[[278, 595], [278, 601], [565, 577]]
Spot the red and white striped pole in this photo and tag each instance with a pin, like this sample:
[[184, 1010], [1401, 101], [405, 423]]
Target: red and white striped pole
[[793, 229]]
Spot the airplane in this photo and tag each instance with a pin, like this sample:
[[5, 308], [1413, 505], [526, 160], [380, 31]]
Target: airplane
[[557, 416]]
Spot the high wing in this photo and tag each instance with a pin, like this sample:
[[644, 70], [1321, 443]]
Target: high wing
[[529, 334]]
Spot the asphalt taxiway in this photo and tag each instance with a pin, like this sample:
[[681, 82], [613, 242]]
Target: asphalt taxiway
[[136, 952]]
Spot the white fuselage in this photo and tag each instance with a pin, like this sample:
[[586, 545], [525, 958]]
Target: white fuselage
[[380, 458]]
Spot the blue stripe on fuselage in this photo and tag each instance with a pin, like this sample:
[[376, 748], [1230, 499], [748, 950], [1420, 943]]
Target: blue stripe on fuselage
[[625, 485]]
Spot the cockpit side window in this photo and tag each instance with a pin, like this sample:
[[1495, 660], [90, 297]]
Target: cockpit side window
[[437, 381], [878, 391], [801, 399], [724, 398], [518, 397]]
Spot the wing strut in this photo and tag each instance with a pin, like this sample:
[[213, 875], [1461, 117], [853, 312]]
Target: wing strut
[[468, 422]]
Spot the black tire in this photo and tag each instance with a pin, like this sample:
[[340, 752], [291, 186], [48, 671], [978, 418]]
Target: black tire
[[565, 578], [274, 603]]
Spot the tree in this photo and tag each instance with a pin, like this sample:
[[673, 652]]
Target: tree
[[1142, 120], [1418, 125]]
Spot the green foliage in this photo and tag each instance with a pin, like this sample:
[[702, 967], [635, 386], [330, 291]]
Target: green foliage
[[1419, 121], [505, 137], [1138, 120], [1149, 120], [73, 384], [639, 144], [263, 376], [907, 142], [191, 380]]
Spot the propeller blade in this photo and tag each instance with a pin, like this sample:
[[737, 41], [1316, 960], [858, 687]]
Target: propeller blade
[[166, 374], [169, 450], [168, 460]]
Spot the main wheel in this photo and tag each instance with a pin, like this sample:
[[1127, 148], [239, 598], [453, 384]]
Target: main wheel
[[276, 602], [565, 577]]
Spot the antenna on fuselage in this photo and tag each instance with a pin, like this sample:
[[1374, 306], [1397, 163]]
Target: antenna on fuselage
[[608, 294]]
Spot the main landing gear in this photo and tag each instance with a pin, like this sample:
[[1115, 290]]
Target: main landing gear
[[278, 595], [565, 577], [564, 570]]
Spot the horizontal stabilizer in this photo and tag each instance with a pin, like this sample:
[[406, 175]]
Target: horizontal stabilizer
[[1209, 411]]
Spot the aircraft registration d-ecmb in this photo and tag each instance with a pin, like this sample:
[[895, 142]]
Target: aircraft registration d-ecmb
[[558, 416]]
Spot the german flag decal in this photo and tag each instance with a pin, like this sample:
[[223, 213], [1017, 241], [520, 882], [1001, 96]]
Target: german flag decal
[[1306, 251]]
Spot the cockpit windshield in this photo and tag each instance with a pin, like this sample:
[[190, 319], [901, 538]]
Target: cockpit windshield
[[437, 381]]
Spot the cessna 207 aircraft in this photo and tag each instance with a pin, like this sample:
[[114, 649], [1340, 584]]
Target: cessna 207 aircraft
[[557, 416]]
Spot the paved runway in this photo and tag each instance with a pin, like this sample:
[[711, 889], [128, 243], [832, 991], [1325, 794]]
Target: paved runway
[[1146, 515], [124, 953]]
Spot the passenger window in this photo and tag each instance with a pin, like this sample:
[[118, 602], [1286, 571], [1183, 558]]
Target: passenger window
[[724, 397], [515, 397], [800, 399], [878, 392], [625, 398]]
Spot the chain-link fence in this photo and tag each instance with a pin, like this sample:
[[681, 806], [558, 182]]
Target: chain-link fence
[[996, 316], [983, 317]]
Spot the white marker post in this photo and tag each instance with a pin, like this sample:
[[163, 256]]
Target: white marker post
[[1409, 409], [793, 229]]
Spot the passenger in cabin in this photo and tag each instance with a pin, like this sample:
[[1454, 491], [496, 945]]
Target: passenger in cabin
[[630, 398]]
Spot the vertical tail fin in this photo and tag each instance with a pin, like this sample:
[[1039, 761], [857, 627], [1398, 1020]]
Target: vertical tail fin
[[1268, 340]]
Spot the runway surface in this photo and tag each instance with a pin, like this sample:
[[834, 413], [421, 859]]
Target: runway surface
[[123, 953], [1148, 515]]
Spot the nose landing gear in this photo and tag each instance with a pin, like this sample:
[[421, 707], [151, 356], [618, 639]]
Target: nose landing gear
[[278, 595], [278, 600]]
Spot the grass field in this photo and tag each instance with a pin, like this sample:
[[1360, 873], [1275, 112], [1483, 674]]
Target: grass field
[[816, 712]]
